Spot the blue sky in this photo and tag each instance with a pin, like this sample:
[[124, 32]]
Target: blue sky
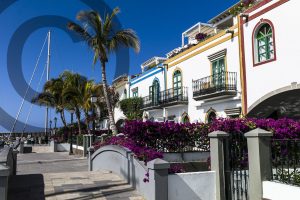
[[158, 23]]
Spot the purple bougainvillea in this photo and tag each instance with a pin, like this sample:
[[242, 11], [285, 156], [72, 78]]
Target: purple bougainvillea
[[201, 36], [148, 140]]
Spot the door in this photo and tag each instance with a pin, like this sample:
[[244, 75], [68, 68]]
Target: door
[[177, 84], [154, 92], [218, 73]]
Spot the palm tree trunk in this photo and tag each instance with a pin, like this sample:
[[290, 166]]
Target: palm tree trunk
[[77, 113], [107, 100], [86, 120], [63, 119]]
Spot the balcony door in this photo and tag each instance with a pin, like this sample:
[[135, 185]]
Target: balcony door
[[218, 72], [177, 84], [154, 92]]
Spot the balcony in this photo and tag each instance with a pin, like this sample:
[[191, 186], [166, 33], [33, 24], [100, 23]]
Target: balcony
[[217, 86], [170, 97]]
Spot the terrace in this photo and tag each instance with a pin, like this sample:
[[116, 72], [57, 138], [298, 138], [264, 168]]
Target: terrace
[[220, 85], [166, 98]]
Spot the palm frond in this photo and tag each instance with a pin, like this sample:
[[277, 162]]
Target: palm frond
[[127, 38], [108, 23], [82, 32]]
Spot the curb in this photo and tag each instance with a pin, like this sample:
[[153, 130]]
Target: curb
[[48, 161]]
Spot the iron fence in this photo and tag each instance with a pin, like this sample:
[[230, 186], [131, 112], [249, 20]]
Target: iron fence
[[169, 96], [224, 81], [286, 161], [236, 167]]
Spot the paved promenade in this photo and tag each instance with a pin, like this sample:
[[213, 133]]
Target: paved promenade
[[60, 176]]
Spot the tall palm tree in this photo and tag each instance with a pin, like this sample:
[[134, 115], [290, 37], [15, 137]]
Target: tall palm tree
[[103, 40]]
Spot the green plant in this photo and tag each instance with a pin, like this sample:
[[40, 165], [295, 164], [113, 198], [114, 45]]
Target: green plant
[[132, 108], [243, 5], [102, 38]]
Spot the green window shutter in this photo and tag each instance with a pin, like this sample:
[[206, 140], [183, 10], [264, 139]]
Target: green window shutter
[[265, 47]]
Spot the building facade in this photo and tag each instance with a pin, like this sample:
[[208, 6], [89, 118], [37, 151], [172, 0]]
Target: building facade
[[271, 56], [237, 64]]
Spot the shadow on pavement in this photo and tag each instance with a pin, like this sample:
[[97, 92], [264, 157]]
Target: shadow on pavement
[[89, 192], [27, 187]]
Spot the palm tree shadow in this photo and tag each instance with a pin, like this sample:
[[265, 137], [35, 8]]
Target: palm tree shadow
[[26, 187], [89, 192]]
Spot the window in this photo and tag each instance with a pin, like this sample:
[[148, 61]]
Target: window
[[218, 72], [265, 47], [211, 115], [177, 83], [185, 118], [218, 68], [135, 92], [154, 92]]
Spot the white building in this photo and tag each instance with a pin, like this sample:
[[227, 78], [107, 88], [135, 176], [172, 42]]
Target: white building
[[271, 56], [231, 66], [202, 79], [149, 85], [121, 86]]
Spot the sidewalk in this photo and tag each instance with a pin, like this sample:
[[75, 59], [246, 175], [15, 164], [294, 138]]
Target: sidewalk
[[60, 176]]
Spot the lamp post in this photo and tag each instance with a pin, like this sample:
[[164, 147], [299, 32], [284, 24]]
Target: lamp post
[[71, 135], [93, 100]]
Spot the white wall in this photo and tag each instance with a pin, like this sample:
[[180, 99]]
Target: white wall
[[144, 81], [118, 114], [267, 77], [279, 191], [192, 186]]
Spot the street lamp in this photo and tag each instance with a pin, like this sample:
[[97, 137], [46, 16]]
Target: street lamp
[[93, 100], [71, 135]]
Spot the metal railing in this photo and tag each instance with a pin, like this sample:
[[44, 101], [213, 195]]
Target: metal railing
[[173, 95], [286, 161], [224, 81]]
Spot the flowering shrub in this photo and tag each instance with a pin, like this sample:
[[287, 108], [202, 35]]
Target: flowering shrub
[[142, 153], [147, 140], [201, 36], [168, 136], [282, 128]]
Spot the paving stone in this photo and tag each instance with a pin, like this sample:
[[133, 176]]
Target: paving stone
[[68, 179]]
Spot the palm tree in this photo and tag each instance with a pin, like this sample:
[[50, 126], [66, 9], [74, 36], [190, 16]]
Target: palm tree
[[73, 93], [91, 90], [51, 97], [103, 40]]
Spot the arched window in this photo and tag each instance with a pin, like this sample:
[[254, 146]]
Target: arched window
[[154, 92], [177, 83], [185, 118], [264, 44], [211, 115]]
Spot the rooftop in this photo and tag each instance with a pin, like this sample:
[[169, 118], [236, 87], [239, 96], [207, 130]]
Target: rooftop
[[152, 62]]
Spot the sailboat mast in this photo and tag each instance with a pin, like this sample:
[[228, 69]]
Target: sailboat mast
[[48, 74]]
